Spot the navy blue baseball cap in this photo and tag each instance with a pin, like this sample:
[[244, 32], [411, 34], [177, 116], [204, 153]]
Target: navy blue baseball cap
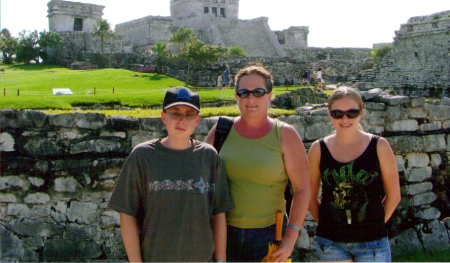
[[181, 96]]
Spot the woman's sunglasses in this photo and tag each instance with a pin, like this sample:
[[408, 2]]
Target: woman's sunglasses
[[339, 114], [244, 93]]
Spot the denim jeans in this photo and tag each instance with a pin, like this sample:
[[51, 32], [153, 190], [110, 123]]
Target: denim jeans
[[249, 245], [372, 251]]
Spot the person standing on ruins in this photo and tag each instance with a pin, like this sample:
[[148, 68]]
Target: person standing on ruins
[[227, 80], [172, 193], [319, 79], [357, 172], [219, 81]]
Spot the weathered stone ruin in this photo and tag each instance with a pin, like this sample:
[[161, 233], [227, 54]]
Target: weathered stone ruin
[[58, 172]]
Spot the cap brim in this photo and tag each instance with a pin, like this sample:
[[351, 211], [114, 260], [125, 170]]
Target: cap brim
[[181, 103]]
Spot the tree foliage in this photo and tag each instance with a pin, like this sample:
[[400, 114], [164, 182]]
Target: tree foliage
[[48, 40], [237, 51], [28, 48], [104, 31], [161, 54], [8, 46], [193, 51], [379, 53]]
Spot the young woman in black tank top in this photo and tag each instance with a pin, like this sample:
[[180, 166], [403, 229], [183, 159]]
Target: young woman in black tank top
[[360, 185]]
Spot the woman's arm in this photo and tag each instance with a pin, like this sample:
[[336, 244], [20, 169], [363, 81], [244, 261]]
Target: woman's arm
[[314, 167], [390, 177], [130, 236], [297, 168], [220, 236]]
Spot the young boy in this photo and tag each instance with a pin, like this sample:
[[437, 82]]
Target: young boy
[[171, 189]]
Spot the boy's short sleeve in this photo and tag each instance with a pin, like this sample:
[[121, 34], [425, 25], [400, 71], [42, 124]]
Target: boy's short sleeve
[[223, 202], [126, 196]]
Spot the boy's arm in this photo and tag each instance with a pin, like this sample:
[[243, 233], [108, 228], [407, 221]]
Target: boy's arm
[[220, 237], [130, 237]]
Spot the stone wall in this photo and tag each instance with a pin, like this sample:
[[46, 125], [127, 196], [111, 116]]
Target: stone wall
[[58, 172], [419, 61]]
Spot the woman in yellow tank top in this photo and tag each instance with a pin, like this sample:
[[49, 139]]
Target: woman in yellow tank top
[[260, 154]]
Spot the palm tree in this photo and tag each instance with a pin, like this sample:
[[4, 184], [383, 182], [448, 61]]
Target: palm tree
[[161, 53], [103, 31]]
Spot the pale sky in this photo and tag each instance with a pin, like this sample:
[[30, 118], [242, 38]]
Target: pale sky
[[332, 23]]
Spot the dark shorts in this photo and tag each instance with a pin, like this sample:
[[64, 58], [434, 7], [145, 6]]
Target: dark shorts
[[372, 251], [249, 245]]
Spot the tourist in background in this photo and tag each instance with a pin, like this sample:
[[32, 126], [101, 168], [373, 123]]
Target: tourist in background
[[260, 154], [171, 189], [219, 81], [227, 80], [319, 79], [360, 185]]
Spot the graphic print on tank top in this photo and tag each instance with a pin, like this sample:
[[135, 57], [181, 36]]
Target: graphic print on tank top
[[349, 192]]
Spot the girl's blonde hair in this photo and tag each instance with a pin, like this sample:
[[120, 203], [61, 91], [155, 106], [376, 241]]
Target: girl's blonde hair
[[345, 92]]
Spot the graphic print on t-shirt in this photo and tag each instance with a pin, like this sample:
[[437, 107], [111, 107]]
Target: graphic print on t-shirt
[[349, 192], [180, 185]]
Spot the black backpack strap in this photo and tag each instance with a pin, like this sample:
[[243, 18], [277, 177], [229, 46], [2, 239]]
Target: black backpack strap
[[222, 129]]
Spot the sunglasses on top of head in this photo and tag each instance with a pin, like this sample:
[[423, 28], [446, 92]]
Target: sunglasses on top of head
[[258, 92], [351, 113]]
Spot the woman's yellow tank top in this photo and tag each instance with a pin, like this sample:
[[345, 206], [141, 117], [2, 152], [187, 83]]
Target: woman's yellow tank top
[[256, 176]]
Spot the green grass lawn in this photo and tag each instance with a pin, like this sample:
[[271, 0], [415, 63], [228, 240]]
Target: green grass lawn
[[31, 87]]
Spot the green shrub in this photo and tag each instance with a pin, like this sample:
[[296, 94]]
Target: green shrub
[[380, 52]]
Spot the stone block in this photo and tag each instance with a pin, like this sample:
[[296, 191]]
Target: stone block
[[434, 143], [7, 198], [17, 210], [395, 100], [417, 160], [8, 182], [446, 125], [430, 213], [426, 127], [416, 113], [152, 124], [375, 106], [318, 130], [65, 250], [435, 236], [114, 249], [123, 123], [6, 142], [414, 189], [76, 231], [401, 125], [82, 212], [438, 112], [110, 218], [42, 147], [95, 146], [400, 163], [90, 121], [13, 249], [37, 198], [406, 243], [436, 160], [202, 127], [417, 102], [422, 199], [30, 227], [67, 184], [141, 137], [420, 174]]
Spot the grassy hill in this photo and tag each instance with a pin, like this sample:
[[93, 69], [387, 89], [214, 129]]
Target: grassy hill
[[31, 87]]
